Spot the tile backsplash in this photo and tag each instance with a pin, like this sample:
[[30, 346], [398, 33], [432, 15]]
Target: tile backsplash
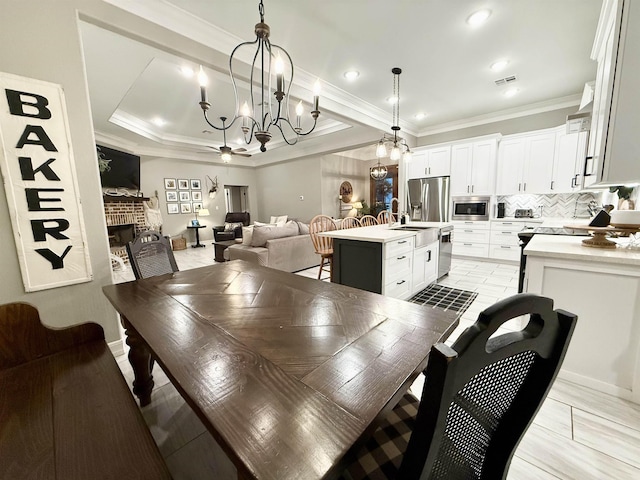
[[565, 205]]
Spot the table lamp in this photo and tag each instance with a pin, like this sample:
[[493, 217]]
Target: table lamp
[[357, 206], [203, 212]]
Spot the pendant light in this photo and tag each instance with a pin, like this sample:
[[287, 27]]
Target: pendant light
[[399, 148], [264, 108]]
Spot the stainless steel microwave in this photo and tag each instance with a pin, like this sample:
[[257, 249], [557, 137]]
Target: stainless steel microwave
[[470, 208]]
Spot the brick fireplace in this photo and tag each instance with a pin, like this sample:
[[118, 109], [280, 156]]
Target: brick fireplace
[[125, 219]]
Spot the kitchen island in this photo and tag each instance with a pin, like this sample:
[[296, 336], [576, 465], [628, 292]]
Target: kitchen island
[[601, 286], [395, 261]]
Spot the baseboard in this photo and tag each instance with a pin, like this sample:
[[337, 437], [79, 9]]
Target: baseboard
[[597, 385], [116, 347]]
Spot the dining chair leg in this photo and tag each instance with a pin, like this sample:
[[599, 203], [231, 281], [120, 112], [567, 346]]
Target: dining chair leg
[[321, 267]]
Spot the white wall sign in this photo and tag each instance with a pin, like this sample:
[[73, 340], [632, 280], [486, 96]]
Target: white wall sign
[[38, 170]]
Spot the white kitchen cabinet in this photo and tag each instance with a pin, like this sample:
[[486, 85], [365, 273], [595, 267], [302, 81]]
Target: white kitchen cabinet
[[425, 266], [397, 268], [473, 168], [525, 163], [430, 162], [504, 241], [568, 162], [471, 238], [613, 143]]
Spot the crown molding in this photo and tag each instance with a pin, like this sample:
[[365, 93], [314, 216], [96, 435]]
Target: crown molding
[[509, 114]]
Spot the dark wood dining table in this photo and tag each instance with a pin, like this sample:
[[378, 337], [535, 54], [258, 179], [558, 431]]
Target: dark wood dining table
[[286, 372]]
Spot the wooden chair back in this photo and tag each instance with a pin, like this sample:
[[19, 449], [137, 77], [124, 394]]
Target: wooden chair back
[[368, 220], [350, 222], [383, 217], [150, 254], [482, 393], [322, 223]]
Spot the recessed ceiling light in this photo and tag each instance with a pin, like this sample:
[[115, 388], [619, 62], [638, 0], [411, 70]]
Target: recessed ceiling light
[[187, 71], [392, 100], [499, 65], [511, 92], [420, 116], [158, 122], [478, 18], [351, 75]]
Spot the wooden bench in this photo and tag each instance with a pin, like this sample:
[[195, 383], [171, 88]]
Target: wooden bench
[[65, 409]]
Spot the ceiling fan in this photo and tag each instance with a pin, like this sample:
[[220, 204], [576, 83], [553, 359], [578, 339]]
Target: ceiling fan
[[225, 151]]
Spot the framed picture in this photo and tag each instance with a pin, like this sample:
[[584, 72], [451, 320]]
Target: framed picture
[[184, 196], [196, 206], [170, 183], [185, 208], [195, 223], [197, 196], [171, 196], [183, 184], [195, 184], [172, 208]]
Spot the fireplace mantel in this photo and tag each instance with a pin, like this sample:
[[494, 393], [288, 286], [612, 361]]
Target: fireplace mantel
[[123, 198]]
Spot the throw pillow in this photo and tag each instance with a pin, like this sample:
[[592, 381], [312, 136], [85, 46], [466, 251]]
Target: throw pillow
[[261, 224], [230, 227], [261, 234], [247, 235], [280, 221], [303, 228]]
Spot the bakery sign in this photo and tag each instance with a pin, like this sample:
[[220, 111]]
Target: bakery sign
[[39, 177]]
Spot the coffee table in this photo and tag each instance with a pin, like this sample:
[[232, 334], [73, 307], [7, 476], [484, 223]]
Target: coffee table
[[220, 247]]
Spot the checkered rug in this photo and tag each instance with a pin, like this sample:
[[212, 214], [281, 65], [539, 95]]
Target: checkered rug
[[447, 298], [381, 456]]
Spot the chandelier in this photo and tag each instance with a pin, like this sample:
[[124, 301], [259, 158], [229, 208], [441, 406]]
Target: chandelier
[[264, 109], [399, 148]]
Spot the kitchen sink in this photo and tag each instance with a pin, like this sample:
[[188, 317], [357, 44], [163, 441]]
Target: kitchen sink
[[424, 235]]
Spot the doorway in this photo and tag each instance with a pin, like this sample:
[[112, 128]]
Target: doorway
[[235, 198], [382, 191]]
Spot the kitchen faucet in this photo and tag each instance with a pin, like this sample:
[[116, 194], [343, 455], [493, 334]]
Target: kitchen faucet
[[391, 209]]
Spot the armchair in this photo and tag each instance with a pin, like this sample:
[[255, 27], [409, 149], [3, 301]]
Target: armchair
[[221, 234]]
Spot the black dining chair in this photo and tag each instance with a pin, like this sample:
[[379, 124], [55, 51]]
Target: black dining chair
[[150, 254], [480, 396]]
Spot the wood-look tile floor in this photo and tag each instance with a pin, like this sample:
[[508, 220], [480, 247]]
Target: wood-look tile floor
[[578, 434]]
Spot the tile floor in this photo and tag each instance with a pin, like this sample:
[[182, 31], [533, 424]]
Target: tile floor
[[578, 434]]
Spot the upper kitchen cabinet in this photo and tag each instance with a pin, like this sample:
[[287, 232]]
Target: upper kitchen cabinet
[[613, 143], [568, 161], [430, 162], [525, 163], [473, 167]]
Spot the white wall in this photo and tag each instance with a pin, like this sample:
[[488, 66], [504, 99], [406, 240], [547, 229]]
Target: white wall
[[281, 185], [41, 40], [153, 171], [337, 169]]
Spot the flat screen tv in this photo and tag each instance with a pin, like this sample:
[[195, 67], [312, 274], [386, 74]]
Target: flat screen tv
[[118, 169]]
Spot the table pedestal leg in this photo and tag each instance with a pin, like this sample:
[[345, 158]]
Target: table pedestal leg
[[141, 362]]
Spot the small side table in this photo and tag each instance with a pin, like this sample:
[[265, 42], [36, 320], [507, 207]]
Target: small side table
[[197, 229], [220, 247]]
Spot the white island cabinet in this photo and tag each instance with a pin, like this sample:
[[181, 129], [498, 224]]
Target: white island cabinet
[[383, 260], [602, 287]]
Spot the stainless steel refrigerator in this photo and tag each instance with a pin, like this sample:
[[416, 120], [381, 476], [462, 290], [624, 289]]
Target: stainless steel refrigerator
[[428, 199]]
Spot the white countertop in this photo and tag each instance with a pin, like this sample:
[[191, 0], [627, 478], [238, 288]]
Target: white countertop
[[571, 248], [380, 233]]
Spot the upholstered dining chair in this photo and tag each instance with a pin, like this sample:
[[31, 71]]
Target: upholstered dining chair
[[480, 396], [350, 222], [150, 254], [383, 217], [323, 245], [368, 220]]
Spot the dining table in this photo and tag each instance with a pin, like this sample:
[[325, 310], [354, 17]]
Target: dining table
[[287, 373]]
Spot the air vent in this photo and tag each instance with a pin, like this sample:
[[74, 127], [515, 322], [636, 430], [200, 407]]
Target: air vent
[[506, 80]]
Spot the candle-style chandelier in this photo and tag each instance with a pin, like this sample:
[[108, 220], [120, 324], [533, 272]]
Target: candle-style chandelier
[[399, 148], [260, 112]]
